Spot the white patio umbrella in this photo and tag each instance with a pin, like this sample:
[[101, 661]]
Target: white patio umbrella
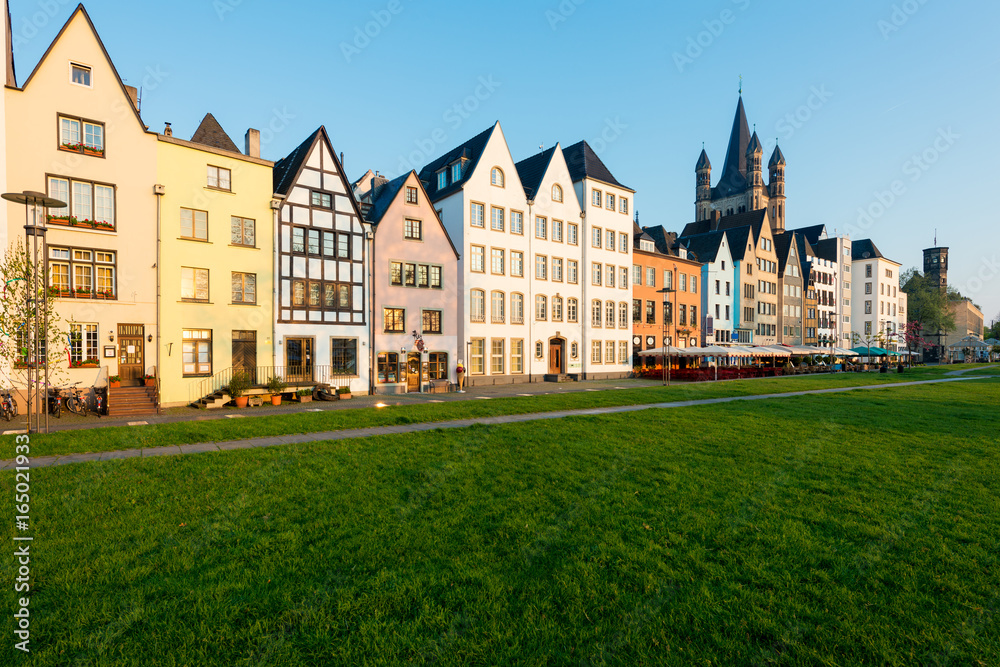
[[659, 352], [841, 352], [772, 351]]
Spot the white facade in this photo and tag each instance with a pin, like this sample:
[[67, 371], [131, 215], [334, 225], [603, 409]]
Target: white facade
[[875, 301], [826, 285], [716, 281], [322, 295], [606, 278]]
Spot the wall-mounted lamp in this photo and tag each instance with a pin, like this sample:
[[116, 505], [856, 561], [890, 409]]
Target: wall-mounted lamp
[[111, 336], [149, 338]]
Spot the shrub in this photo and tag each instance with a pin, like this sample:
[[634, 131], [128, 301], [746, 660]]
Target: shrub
[[239, 384], [275, 385]]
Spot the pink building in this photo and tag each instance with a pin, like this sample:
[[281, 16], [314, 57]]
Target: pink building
[[415, 280]]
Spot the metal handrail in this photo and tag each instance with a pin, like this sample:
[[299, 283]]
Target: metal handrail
[[261, 375]]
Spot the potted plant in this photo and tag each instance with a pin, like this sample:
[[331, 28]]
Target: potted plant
[[238, 386], [150, 380], [304, 395], [344, 393], [276, 386], [115, 381], [90, 363], [82, 293]]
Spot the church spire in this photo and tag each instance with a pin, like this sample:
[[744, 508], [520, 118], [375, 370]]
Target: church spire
[[734, 170]]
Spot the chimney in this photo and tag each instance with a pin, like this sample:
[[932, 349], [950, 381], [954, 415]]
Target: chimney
[[167, 130], [716, 215], [341, 160], [133, 94], [253, 143]]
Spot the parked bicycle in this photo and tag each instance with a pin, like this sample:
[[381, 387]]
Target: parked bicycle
[[55, 402], [8, 406], [100, 401], [75, 402]]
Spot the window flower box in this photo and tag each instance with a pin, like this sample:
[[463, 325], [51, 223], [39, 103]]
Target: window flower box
[[92, 150], [82, 293], [85, 363]]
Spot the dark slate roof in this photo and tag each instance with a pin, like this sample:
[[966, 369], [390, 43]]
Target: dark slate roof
[[782, 247], [704, 248], [287, 168], [827, 249], [378, 178], [739, 239], [383, 196], [583, 163], [471, 150], [734, 173], [703, 161], [210, 133], [811, 234], [754, 145], [865, 246], [752, 219], [532, 171], [665, 241], [777, 158]]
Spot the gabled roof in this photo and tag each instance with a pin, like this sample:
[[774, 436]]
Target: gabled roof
[[365, 182], [532, 170], [11, 74], [739, 239], [287, 168], [386, 193], [210, 133], [286, 171], [79, 10], [782, 248], [734, 173], [471, 151], [704, 248], [827, 249], [754, 220], [865, 249], [754, 145], [583, 163]]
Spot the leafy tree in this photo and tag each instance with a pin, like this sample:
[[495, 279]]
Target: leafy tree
[[17, 315], [928, 305]]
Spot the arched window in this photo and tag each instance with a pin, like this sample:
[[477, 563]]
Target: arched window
[[496, 177], [497, 309], [571, 310], [541, 307], [623, 315], [557, 309], [610, 312], [477, 305], [595, 312], [516, 308], [557, 194]]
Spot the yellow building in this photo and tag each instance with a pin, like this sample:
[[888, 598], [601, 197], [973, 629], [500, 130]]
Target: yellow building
[[73, 131], [216, 261]]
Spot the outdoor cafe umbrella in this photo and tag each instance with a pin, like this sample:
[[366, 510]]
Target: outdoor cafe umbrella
[[659, 352]]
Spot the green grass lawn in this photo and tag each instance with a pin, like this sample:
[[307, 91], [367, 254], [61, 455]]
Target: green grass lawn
[[124, 437], [845, 529]]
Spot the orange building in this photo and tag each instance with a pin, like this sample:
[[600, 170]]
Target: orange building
[[656, 265]]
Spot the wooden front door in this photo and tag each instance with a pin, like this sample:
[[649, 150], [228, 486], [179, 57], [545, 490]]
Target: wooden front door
[[131, 362], [413, 373], [245, 353], [557, 356], [298, 359]]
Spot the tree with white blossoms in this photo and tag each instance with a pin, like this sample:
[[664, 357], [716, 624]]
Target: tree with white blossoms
[[17, 320]]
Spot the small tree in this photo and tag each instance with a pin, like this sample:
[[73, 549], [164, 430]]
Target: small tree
[[18, 309]]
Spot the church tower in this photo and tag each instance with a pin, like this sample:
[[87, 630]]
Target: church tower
[[776, 188], [755, 175], [703, 200]]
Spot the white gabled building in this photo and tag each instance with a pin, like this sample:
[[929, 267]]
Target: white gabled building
[[606, 264], [526, 247], [321, 299], [555, 245]]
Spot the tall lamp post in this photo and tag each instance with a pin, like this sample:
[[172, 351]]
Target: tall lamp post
[[667, 314], [36, 324]]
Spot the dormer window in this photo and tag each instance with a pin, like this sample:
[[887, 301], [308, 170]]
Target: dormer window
[[442, 179], [557, 193], [80, 75], [456, 172], [496, 177]]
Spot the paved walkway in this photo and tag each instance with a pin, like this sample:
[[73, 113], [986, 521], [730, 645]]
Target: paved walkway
[[253, 443]]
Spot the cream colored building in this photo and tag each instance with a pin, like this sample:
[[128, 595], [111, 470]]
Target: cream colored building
[[73, 131], [216, 262]]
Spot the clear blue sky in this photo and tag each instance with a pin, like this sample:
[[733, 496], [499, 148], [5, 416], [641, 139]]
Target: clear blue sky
[[922, 80]]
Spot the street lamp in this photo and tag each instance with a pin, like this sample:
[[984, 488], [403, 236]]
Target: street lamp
[[34, 228], [666, 351]]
